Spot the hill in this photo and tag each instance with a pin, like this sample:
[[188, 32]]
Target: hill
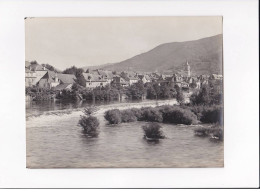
[[204, 56]]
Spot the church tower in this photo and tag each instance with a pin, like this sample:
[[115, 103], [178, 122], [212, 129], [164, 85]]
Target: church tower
[[187, 69]]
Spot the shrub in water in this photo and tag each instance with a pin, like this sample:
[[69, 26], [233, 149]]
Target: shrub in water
[[127, 116], [138, 113], [215, 132], [151, 114], [176, 115], [90, 125], [153, 131], [113, 116], [212, 114]]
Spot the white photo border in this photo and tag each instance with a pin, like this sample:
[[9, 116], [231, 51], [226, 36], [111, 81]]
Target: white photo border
[[241, 88]]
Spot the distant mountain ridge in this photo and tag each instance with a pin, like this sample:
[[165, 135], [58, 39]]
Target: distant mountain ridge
[[204, 56]]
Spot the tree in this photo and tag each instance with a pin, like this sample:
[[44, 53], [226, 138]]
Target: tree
[[81, 80], [179, 96], [89, 123], [157, 89], [165, 92], [136, 91], [193, 85], [78, 73], [34, 62], [49, 67], [207, 95]]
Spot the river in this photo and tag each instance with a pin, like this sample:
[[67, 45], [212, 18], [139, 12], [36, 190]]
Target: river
[[53, 140]]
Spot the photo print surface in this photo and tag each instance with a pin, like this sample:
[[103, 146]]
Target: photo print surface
[[124, 92]]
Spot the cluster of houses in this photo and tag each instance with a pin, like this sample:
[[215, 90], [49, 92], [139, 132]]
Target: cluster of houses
[[39, 76]]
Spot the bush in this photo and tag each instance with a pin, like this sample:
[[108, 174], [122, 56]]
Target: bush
[[138, 113], [113, 116], [151, 114], [128, 116], [215, 132], [177, 115], [153, 131], [90, 125], [212, 114]]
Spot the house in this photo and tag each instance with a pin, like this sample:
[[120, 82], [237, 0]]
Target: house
[[196, 82], [130, 77], [66, 78], [39, 75], [65, 81], [36, 67], [184, 85], [155, 76], [119, 81], [66, 86], [177, 77], [49, 80], [132, 80], [216, 77], [94, 80], [30, 77], [107, 75], [144, 78]]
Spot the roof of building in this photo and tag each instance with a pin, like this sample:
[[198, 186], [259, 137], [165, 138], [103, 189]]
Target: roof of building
[[36, 67], [93, 77], [28, 70], [66, 78], [106, 74], [27, 63], [62, 86], [216, 76], [39, 75]]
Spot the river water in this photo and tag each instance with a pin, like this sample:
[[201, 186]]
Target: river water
[[55, 141]]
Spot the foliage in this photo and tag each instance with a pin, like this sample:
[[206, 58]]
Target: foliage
[[207, 95], [155, 91], [50, 67], [213, 114], [40, 94], [136, 90], [81, 80], [68, 95], [128, 115], [113, 116], [138, 113], [34, 62], [153, 131], [151, 114], [215, 132], [78, 73], [177, 115], [179, 96], [166, 92], [90, 125], [90, 110], [193, 85], [166, 114]]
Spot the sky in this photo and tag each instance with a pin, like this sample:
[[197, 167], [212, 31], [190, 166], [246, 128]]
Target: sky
[[92, 41]]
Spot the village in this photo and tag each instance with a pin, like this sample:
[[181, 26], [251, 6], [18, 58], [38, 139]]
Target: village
[[38, 76]]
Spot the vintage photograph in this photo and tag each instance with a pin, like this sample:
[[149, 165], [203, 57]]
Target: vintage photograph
[[124, 92]]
